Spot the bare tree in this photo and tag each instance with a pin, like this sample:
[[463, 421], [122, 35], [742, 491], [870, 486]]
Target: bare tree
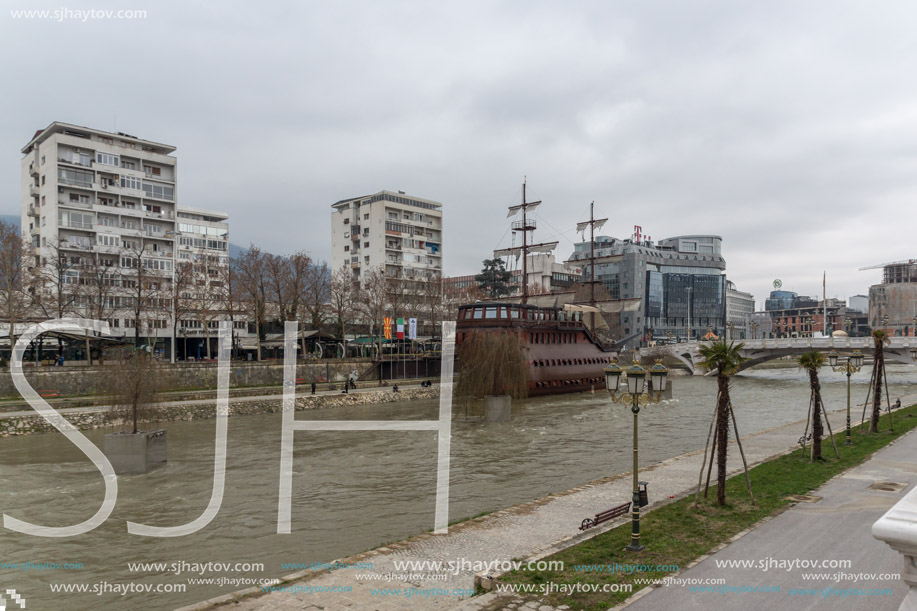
[[13, 271], [227, 289], [374, 301], [180, 295], [134, 386], [253, 285], [146, 286], [99, 285], [53, 282], [343, 294], [317, 294]]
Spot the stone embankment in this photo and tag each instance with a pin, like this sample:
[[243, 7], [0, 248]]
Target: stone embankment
[[28, 423]]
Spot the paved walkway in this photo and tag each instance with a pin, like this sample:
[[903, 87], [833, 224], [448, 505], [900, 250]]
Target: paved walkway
[[836, 528], [521, 532]]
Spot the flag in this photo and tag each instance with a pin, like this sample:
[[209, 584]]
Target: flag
[[412, 328], [387, 326], [400, 328]]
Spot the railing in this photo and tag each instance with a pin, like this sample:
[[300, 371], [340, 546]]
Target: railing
[[75, 183], [77, 225], [74, 204], [72, 162]]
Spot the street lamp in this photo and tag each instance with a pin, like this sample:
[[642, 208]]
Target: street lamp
[[634, 394], [851, 365]]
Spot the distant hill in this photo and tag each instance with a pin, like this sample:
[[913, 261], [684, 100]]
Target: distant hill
[[12, 219]]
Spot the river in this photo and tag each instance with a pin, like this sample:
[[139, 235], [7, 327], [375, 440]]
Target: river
[[351, 490]]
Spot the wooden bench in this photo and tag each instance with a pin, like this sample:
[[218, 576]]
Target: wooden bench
[[605, 516], [300, 381], [49, 394]]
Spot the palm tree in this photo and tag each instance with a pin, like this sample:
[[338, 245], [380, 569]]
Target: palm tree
[[812, 362], [726, 359], [879, 338]]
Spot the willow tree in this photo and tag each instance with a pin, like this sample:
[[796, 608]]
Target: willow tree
[[492, 364]]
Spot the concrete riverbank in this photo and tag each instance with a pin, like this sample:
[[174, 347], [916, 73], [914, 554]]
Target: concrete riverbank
[[520, 532], [28, 422]]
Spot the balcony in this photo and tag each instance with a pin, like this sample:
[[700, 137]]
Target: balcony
[[33, 169], [74, 183], [88, 164], [84, 225], [74, 204], [33, 190], [33, 210], [75, 245]]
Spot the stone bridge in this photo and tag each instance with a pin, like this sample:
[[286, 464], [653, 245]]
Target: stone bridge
[[761, 350]]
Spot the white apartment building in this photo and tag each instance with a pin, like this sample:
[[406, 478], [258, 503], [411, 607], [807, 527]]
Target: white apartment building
[[400, 232], [95, 198]]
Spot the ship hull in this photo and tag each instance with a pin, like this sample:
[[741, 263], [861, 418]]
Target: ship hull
[[561, 354]]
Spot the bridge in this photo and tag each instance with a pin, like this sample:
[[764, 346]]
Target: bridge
[[758, 351]]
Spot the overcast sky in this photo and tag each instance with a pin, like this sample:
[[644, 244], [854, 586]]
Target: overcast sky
[[787, 128]]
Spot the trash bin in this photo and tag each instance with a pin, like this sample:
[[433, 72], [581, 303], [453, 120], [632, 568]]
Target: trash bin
[[644, 501]]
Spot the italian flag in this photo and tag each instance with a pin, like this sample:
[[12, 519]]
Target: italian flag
[[400, 328]]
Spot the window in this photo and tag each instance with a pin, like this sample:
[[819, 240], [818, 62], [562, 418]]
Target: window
[[152, 170], [365, 216], [108, 240], [365, 244], [346, 248], [79, 178], [130, 182], [128, 165], [107, 159], [158, 191]]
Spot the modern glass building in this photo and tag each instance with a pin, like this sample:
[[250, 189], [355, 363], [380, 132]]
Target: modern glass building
[[680, 282]]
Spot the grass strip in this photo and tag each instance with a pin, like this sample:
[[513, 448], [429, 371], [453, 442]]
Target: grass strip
[[677, 534]]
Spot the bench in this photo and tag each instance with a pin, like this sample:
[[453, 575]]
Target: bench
[[49, 394], [605, 516], [300, 381]]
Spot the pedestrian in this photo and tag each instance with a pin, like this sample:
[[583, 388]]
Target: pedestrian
[[313, 387], [897, 404], [353, 384], [395, 388]]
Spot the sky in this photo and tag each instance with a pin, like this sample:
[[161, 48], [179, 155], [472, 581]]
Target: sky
[[789, 129]]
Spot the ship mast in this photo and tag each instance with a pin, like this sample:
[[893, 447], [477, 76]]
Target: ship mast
[[593, 223], [525, 225]]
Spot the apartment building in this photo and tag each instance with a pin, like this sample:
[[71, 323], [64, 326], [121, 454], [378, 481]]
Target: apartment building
[[100, 210], [400, 233]]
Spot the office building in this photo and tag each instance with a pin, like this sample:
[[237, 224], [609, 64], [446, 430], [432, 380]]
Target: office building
[[740, 307], [679, 282]]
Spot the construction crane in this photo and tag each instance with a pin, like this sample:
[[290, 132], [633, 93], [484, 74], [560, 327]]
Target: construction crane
[[880, 265]]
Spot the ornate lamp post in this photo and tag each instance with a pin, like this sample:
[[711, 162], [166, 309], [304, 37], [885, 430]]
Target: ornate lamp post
[[634, 394], [851, 365]]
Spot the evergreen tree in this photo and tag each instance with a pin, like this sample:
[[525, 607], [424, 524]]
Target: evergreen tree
[[494, 278]]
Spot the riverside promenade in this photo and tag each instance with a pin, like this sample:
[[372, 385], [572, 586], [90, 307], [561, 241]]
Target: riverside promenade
[[551, 524]]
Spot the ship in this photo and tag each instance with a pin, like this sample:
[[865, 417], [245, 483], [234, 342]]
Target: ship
[[559, 342]]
